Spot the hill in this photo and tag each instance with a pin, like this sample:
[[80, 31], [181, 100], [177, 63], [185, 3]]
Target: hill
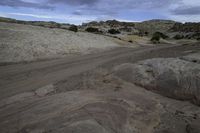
[[21, 42], [145, 27], [150, 26], [186, 27], [49, 24]]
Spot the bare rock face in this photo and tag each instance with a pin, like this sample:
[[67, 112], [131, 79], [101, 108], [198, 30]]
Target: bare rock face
[[171, 77]]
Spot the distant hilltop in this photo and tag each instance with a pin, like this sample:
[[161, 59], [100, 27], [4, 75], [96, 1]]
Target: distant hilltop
[[149, 26], [145, 27], [49, 24]]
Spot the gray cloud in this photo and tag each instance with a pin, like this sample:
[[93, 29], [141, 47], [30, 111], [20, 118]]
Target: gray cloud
[[20, 3], [99, 7], [77, 13], [112, 8], [139, 3], [119, 4], [108, 5], [186, 10], [74, 2]]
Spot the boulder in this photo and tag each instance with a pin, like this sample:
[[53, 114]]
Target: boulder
[[172, 77]]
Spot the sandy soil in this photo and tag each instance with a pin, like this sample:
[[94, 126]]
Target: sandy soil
[[82, 95], [27, 43]]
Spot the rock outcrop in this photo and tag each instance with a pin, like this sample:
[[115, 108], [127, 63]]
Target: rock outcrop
[[178, 78]]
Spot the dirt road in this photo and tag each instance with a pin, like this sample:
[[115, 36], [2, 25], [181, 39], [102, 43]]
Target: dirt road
[[27, 77], [35, 90]]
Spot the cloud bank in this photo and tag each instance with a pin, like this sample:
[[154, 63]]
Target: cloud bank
[[104, 9], [21, 3]]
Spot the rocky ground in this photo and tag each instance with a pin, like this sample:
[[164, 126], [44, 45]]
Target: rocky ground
[[103, 92]]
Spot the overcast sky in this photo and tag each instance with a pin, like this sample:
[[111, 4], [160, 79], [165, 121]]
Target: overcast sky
[[79, 11]]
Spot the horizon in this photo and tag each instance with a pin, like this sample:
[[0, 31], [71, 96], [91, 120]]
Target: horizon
[[83, 11], [91, 21]]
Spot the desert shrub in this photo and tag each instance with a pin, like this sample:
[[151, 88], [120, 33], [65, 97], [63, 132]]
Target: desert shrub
[[20, 22], [93, 30], [39, 24], [188, 36], [52, 25], [58, 25], [73, 28], [178, 36], [162, 35], [142, 33], [113, 31], [146, 33], [155, 38]]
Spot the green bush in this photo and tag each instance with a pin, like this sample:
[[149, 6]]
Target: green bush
[[143, 33], [113, 31], [162, 35], [130, 41], [155, 38], [93, 30], [73, 28], [146, 33]]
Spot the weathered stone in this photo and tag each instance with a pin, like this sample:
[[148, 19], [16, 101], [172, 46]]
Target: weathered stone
[[172, 77]]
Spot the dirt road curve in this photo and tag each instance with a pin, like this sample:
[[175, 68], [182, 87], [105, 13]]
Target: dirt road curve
[[27, 77], [36, 97]]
